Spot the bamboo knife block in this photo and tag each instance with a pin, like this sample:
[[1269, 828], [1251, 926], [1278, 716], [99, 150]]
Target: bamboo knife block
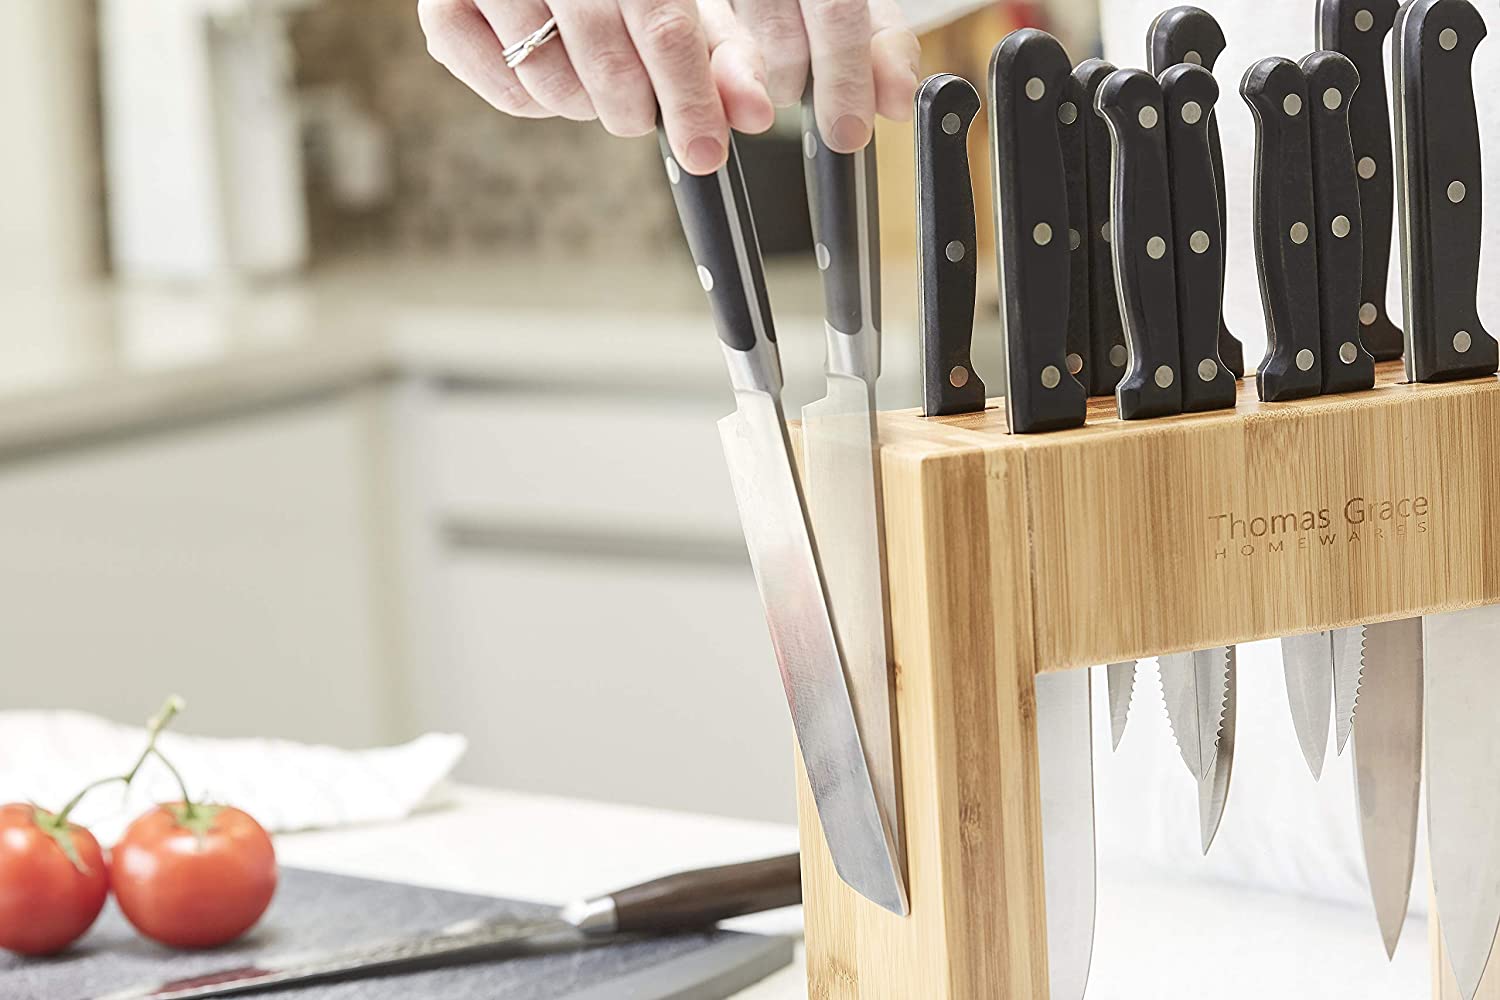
[[1012, 555]]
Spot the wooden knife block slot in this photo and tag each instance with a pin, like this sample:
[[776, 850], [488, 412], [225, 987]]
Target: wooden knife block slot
[[1012, 555]]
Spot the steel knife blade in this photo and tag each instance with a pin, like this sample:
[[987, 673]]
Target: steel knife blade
[[841, 446], [1286, 236], [1358, 28], [720, 230], [682, 902], [1213, 788], [1108, 353], [1028, 79], [1388, 767], [1191, 35], [1332, 82], [1188, 94], [1438, 190], [1307, 661], [1120, 678], [1065, 765], [1348, 677], [1130, 101], [945, 108], [1195, 686]]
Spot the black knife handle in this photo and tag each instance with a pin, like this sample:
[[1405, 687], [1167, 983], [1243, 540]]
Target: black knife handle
[[1028, 85], [698, 899], [1145, 276], [1191, 35], [1286, 236], [1108, 353], [1072, 131], [1357, 28], [1438, 189], [1332, 82], [1189, 94], [720, 231], [945, 108]]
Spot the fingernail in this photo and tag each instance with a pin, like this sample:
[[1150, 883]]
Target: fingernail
[[851, 132], [705, 154]]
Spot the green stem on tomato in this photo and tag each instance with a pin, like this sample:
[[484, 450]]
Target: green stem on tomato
[[154, 729], [189, 808]]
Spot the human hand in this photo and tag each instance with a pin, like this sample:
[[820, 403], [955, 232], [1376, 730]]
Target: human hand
[[707, 66]]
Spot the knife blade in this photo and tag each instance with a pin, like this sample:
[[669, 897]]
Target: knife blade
[[1438, 190], [1213, 788], [683, 902], [1286, 238], [1072, 131], [841, 445], [1195, 687], [1357, 28], [1120, 678], [1188, 94], [1348, 678], [1027, 82], [945, 108], [1141, 211], [1388, 767], [1108, 352], [1191, 35], [720, 230], [1332, 81], [1307, 661], [1065, 766]]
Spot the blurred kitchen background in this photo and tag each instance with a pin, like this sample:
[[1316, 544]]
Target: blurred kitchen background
[[350, 408]]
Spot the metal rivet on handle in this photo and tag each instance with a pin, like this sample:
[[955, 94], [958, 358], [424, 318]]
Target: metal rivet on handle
[[1198, 241], [1348, 353], [1366, 167], [955, 251], [951, 123], [1192, 112], [1299, 233], [1305, 360], [674, 172], [1208, 369], [1292, 104], [1075, 364], [1340, 226], [1104, 232], [1368, 314], [1156, 248], [1118, 355], [958, 377], [705, 278], [1067, 112], [1456, 192], [1075, 239], [1147, 117], [809, 145], [1332, 98], [1051, 377], [1192, 56], [1035, 88], [1364, 20], [1462, 342], [1041, 234], [824, 257], [1448, 39], [1165, 376]]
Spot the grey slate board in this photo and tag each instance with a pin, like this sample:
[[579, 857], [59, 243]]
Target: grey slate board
[[315, 911]]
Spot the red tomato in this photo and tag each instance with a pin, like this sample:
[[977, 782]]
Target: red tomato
[[47, 899], [194, 877]]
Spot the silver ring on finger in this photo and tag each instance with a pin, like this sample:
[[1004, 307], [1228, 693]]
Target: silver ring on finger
[[517, 53]]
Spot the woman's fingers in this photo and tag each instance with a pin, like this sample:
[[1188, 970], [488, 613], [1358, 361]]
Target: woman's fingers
[[739, 71], [604, 57], [895, 60], [547, 74], [838, 39], [461, 40], [777, 28], [674, 49]]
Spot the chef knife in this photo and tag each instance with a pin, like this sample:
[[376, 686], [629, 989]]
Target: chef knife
[[1027, 79], [1191, 35], [1213, 788], [1286, 240], [945, 107], [715, 213], [1188, 96], [687, 901], [1332, 81], [1065, 765], [1072, 131], [1388, 766], [1438, 190], [1357, 28], [841, 449], [1108, 352], [1141, 212]]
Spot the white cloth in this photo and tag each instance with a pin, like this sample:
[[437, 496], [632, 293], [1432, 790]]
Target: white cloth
[[46, 757]]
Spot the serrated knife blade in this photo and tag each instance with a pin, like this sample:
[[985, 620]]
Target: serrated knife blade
[[1194, 686], [1348, 676], [1120, 678], [1213, 789]]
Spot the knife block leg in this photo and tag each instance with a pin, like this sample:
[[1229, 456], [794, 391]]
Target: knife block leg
[[962, 621]]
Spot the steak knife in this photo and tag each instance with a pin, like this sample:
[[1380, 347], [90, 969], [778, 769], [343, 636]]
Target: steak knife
[[1028, 88], [1213, 788], [720, 230], [1332, 82], [1120, 678], [1141, 209], [1191, 35], [1357, 28], [1108, 353], [945, 108], [841, 445], [684, 902], [1286, 239], [1072, 131], [1065, 764], [1188, 95]]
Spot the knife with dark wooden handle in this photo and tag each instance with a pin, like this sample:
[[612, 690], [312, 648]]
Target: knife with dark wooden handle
[[1072, 130], [1028, 87], [1108, 353], [945, 108], [1145, 277], [1188, 95], [1332, 81], [1191, 35], [1358, 28], [1286, 240], [1438, 190]]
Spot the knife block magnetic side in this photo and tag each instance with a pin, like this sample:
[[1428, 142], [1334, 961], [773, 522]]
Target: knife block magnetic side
[[1014, 555]]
